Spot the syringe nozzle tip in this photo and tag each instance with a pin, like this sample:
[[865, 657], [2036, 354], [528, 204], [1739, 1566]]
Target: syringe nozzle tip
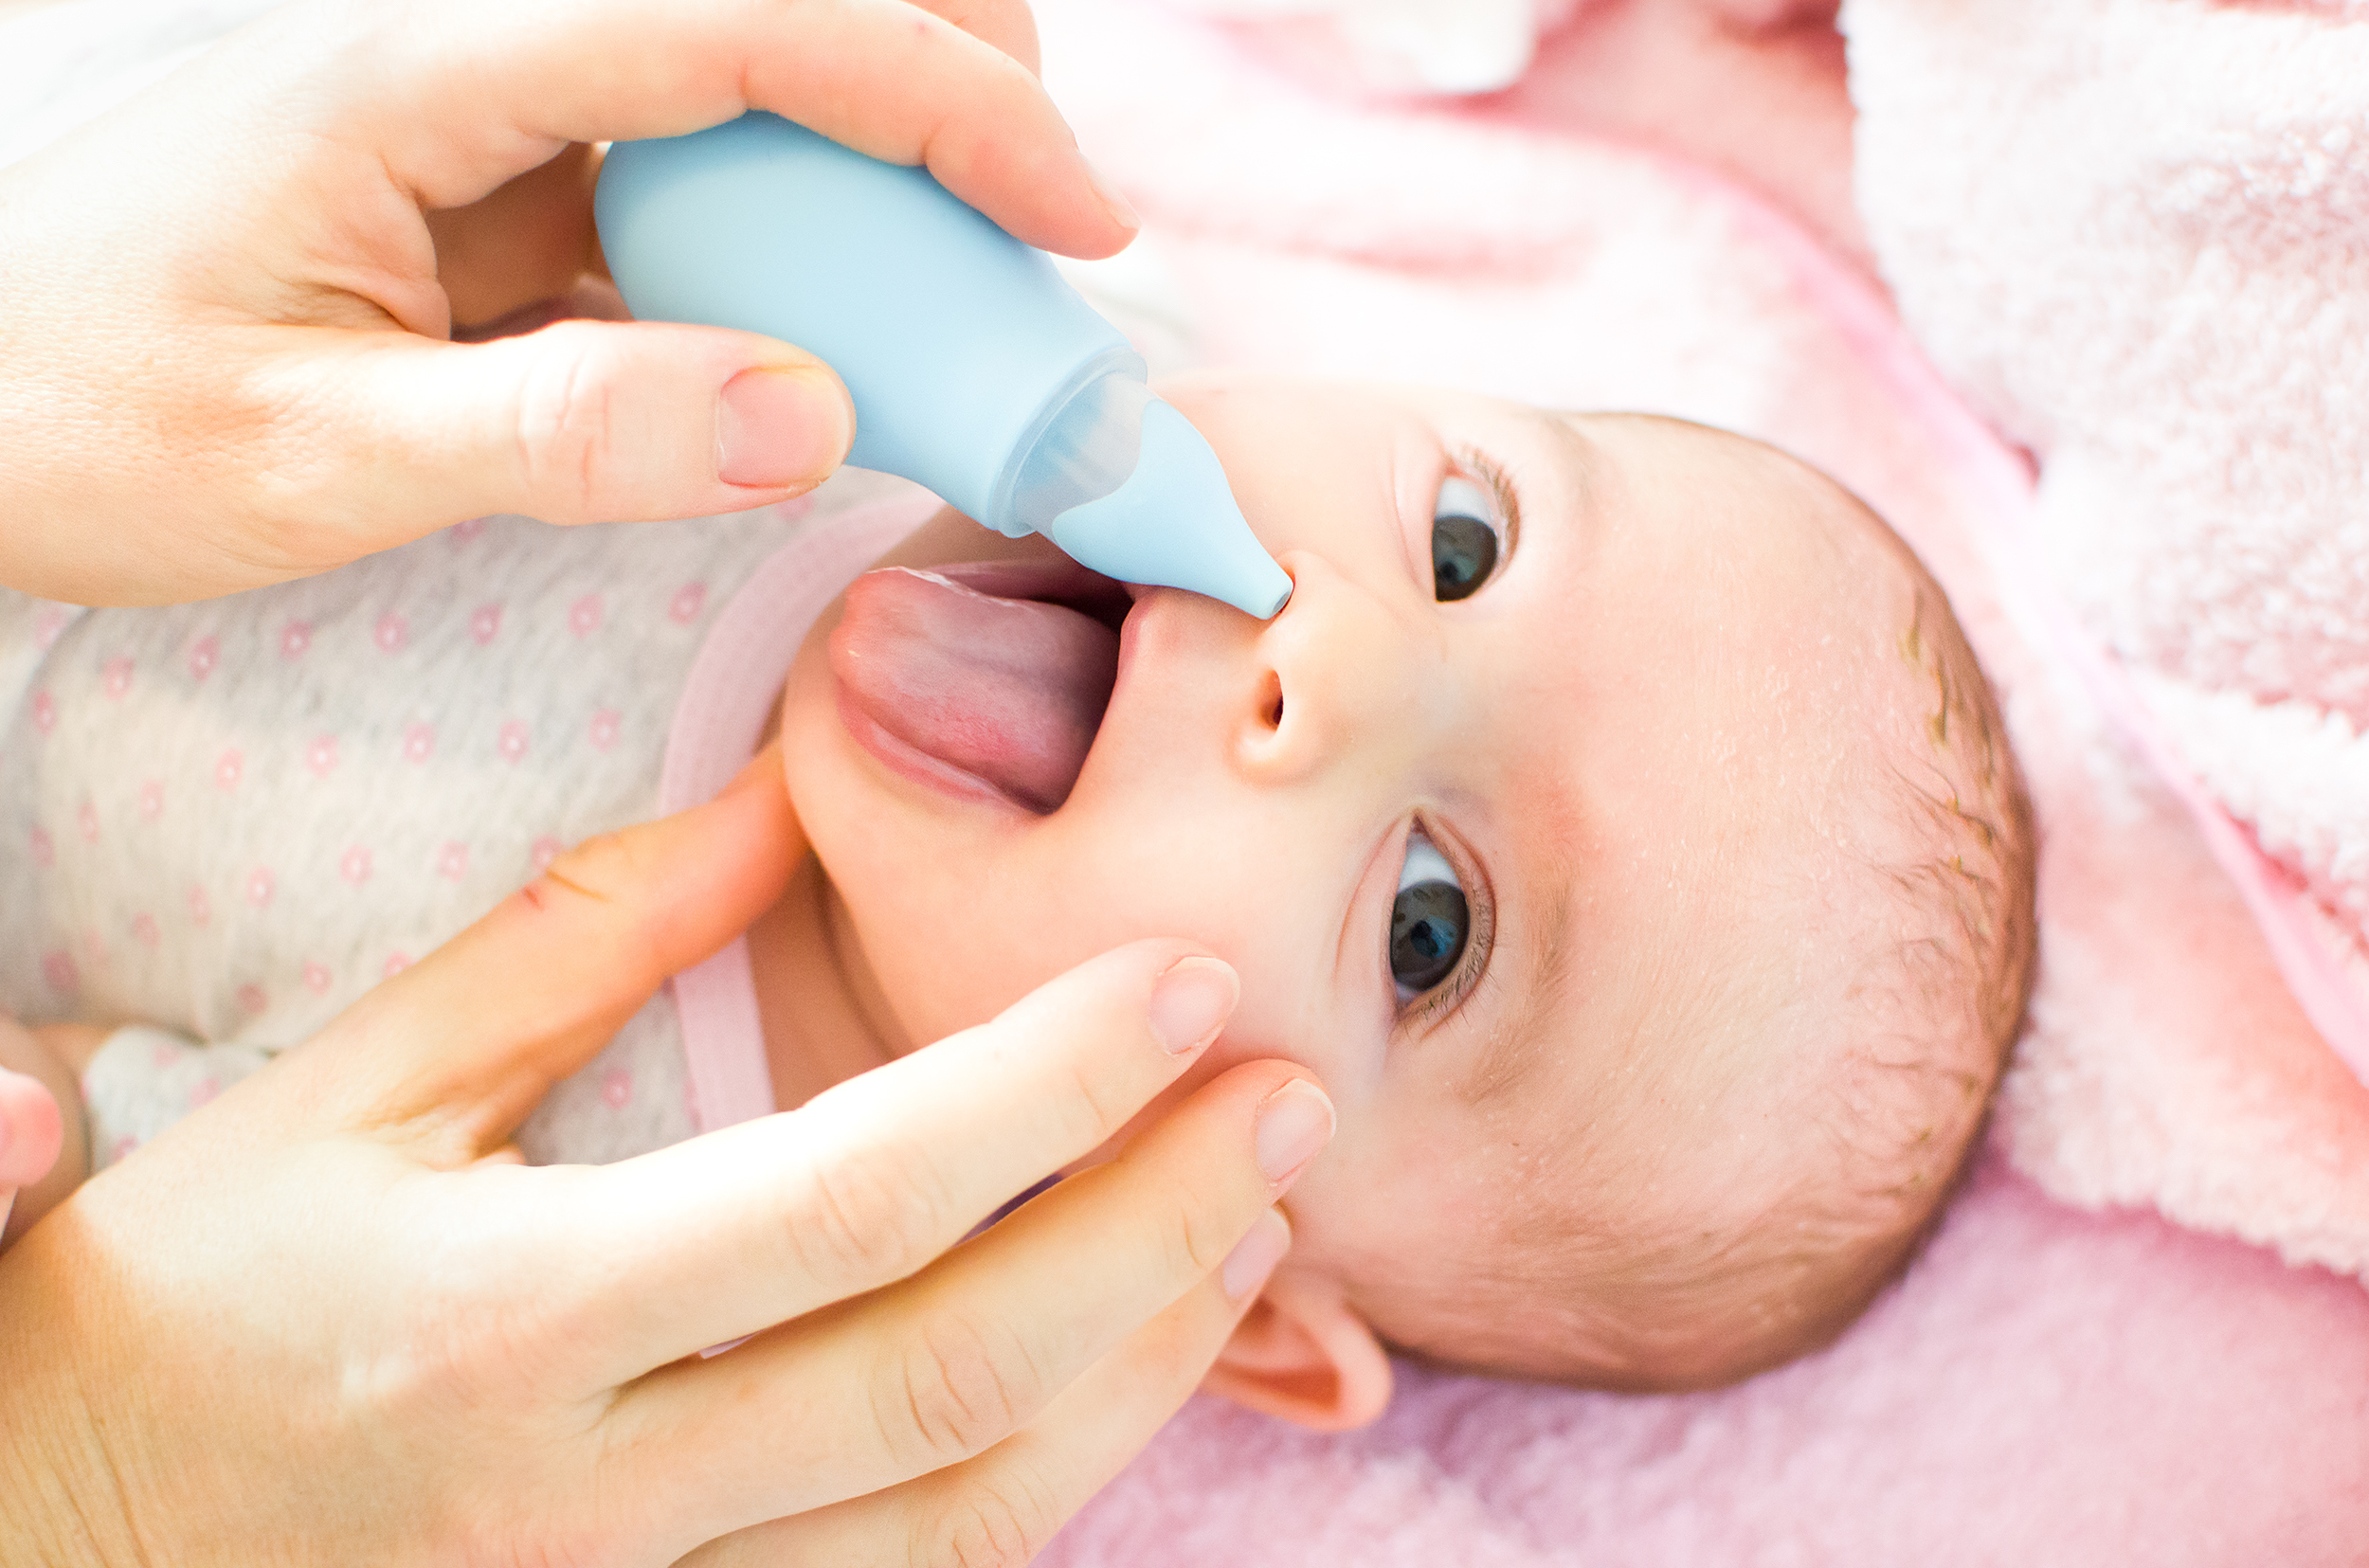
[[1175, 523]]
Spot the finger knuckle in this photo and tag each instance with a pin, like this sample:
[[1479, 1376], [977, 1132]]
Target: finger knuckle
[[997, 1522], [1096, 1108], [595, 880], [867, 1218], [597, 867], [958, 1386], [459, 1338], [282, 514], [568, 423], [1202, 1235]]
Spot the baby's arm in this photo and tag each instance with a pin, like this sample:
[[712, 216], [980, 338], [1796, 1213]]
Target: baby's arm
[[45, 1153]]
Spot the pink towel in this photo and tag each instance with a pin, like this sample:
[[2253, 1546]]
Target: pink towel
[[2049, 1385], [2137, 234], [2045, 1389]]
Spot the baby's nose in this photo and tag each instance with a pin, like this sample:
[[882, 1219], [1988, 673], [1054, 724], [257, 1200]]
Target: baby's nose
[[1333, 679]]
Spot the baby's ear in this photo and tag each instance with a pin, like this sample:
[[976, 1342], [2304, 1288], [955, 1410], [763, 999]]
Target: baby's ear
[[1303, 1354]]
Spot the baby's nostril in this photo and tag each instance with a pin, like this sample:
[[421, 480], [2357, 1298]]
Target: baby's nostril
[[1272, 710]]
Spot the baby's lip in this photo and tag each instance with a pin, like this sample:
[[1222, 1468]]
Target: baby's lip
[[1134, 651], [1048, 579]]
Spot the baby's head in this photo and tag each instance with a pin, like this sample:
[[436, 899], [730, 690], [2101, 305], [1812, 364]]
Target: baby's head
[[1654, 899]]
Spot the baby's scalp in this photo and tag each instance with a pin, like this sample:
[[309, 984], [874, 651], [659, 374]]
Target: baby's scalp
[[1739, 1104]]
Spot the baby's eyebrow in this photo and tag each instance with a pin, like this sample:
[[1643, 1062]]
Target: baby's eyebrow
[[1575, 458], [1508, 1047]]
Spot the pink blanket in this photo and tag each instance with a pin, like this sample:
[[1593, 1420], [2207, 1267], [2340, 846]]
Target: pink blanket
[[2137, 235], [2091, 1364]]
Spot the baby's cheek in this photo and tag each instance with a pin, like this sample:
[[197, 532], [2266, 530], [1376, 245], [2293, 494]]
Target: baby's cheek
[[1352, 1218], [950, 954], [1412, 1175]]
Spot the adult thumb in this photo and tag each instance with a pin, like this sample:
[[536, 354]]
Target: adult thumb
[[462, 1044], [581, 421]]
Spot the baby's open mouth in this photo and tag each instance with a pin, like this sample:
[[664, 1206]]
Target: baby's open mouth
[[991, 674]]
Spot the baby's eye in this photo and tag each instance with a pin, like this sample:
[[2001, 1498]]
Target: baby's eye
[[1463, 539], [1428, 919]]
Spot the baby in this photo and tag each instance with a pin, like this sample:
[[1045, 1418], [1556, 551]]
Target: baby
[[1616, 819]]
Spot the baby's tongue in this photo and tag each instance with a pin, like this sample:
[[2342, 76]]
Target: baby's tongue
[[1007, 690]]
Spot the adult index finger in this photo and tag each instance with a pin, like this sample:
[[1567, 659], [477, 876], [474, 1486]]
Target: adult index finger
[[1005, 1506], [757, 1224], [460, 97], [951, 1362]]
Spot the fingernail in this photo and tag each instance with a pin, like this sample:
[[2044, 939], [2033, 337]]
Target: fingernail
[[1294, 1127], [781, 427], [1255, 1256], [1122, 210], [1191, 1003]]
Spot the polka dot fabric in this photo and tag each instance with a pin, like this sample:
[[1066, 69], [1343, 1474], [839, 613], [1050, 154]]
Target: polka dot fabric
[[229, 819]]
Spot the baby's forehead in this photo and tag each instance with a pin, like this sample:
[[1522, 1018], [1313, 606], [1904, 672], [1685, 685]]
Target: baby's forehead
[[1727, 713], [1709, 624]]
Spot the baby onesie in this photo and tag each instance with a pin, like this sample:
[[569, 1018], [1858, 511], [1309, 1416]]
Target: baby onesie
[[225, 822]]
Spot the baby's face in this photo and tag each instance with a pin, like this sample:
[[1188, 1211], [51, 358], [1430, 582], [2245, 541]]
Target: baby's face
[[1624, 745]]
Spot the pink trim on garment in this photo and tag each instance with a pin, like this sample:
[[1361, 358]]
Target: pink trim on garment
[[726, 700]]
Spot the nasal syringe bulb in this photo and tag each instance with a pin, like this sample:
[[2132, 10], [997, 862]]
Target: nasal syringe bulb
[[974, 369]]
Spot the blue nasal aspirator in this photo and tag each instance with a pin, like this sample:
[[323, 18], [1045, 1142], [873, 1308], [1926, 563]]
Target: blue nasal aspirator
[[976, 371]]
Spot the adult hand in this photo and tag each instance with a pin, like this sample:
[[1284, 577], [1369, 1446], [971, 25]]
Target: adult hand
[[329, 1318], [224, 356]]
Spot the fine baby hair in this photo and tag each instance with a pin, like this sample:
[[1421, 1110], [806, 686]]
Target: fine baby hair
[[975, 371]]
